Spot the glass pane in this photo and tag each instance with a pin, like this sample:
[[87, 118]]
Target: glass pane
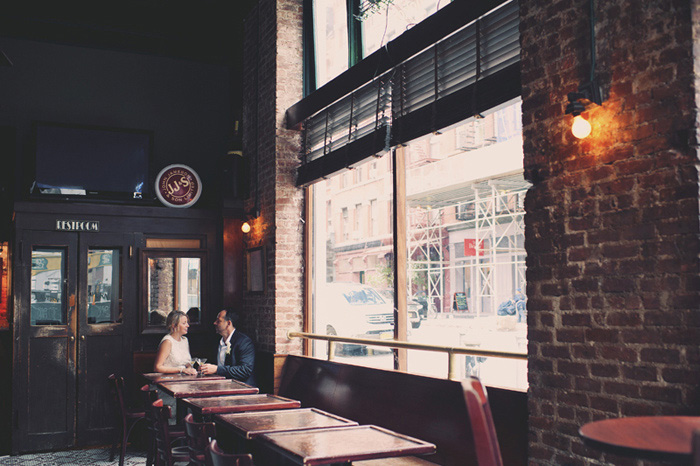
[[466, 267], [174, 283], [353, 260], [331, 39], [48, 272], [385, 21], [104, 286]]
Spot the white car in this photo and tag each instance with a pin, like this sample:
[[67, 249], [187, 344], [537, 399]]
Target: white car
[[353, 310]]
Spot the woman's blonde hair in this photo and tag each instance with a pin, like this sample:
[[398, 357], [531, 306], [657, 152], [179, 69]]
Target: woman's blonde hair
[[173, 320]]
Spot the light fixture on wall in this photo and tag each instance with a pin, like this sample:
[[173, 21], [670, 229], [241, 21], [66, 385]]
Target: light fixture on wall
[[588, 93], [245, 227]]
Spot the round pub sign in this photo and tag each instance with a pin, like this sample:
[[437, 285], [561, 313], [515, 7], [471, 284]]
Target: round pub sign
[[178, 186]]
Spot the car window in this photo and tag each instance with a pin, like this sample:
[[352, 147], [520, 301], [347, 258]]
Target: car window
[[362, 297]]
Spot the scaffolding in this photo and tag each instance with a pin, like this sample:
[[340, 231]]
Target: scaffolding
[[490, 213]]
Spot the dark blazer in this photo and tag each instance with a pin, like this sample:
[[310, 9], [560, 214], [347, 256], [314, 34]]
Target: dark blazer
[[239, 364]]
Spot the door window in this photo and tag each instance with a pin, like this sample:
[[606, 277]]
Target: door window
[[48, 270], [103, 286]]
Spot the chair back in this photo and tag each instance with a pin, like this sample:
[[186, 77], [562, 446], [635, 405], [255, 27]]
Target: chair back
[[162, 417], [488, 452], [116, 385], [199, 435], [696, 447], [216, 457]]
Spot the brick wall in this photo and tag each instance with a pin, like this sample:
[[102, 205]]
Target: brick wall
[[611, 221], [272, 83]]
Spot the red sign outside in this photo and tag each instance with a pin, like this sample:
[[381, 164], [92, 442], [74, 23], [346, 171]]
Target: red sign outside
[[178, 186], [471, 248]]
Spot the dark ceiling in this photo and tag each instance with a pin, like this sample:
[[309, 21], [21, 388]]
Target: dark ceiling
[[203, 30]]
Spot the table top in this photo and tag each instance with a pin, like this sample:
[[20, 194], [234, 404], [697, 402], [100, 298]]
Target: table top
[[251, 424], [156, 377], [654, 437], [193, 389], [343, 444], [239, 403]]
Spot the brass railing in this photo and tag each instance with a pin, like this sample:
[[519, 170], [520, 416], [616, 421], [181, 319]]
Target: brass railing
[[451, 351]]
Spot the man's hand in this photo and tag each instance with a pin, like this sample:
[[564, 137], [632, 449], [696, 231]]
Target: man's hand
[[208, 369]]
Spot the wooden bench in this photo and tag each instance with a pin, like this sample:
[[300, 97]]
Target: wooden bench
[[427, 408]]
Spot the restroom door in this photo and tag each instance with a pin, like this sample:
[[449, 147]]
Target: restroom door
[[70, 297]]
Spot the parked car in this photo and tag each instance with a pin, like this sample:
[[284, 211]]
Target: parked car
[[413, 307], [353, 310]]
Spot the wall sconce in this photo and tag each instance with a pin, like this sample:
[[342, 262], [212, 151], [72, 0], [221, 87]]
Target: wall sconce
[[245, 227], [250, 216], [588, 94]]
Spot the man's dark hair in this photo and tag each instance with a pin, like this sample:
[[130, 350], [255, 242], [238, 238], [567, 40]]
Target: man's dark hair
[[231, 316]]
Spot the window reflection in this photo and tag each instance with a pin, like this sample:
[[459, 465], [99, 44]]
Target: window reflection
[[103, 286], [174, 283], [48, 269]]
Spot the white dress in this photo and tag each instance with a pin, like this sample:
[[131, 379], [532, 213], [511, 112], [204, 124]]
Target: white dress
[[179, 352]]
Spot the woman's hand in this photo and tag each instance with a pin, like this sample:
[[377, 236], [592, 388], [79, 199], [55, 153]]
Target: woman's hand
[[189, 371]]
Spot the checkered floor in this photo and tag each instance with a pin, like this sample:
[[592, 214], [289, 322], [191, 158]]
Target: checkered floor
[[95, 457]]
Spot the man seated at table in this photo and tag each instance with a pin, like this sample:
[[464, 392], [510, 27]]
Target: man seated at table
[[236, 353]]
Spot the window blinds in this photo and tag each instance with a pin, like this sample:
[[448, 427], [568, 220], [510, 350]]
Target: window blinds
[[474, 69]]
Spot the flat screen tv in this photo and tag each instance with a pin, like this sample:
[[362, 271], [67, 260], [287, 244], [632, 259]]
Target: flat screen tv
[[88, 162]]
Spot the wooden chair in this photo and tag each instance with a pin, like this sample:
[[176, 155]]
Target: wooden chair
[[166, 453], [199, 435], [696, 447], [216, 457], [488, 452], [125, 418]]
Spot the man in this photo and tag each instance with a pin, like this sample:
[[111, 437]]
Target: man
[[236, 354]]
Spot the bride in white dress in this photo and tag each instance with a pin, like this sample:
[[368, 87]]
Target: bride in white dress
[[174, 350]]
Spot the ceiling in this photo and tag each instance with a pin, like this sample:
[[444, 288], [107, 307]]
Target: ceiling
[[202, 30]]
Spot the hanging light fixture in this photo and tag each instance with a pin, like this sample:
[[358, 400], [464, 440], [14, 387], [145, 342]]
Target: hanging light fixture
[[588, 93]]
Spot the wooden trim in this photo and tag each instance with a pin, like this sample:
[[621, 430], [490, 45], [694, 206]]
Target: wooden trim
[[400, 256], [308, 258]]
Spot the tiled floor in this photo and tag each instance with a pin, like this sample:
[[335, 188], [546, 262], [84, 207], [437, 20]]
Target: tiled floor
[[95, 457]]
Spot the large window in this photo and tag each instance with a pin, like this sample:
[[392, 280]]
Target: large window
[[345, 32], [465, 246], [414, 160]]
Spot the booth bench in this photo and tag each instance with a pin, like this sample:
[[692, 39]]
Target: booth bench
[[427, 408]]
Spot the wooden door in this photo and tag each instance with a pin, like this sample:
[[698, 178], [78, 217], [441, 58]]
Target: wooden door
[[44, 383], [71, 333], [105, 294]]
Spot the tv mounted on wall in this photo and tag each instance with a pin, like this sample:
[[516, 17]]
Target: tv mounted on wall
[[90, 162]]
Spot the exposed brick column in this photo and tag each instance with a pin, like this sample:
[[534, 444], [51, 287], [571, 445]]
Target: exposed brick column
[[611, 221], [272, 83]]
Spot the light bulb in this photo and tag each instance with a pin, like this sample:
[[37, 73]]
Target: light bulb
[[580, 127], [245, 228]]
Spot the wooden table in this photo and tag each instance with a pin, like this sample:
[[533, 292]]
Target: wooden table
[[202, 388], [199, 388], [250, 425], [238, 403], [157, 377], [341, 445], [647, 437]]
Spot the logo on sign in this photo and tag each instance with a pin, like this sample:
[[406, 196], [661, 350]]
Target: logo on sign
[[178, 186]]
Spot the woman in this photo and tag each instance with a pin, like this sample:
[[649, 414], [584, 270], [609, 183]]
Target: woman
[[174, 349]]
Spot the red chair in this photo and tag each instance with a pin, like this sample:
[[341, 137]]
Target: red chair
[[488, 452], [125, 418], [216, 457], [199, 435], [166, 453]]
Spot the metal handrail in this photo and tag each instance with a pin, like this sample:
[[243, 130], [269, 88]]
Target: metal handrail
[[452, 351]]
